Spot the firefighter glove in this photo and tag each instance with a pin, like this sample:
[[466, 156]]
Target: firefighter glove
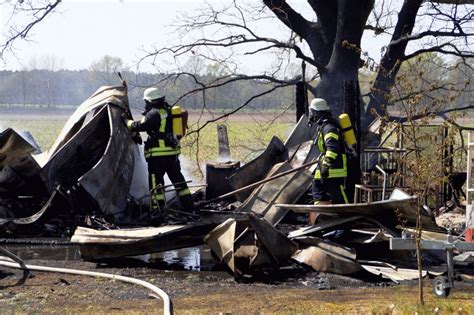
[[125, 118], [136, 138], [324, 170]]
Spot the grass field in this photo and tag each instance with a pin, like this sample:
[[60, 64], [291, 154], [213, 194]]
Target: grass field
[[248, 135], [246, 140], [44, 131]]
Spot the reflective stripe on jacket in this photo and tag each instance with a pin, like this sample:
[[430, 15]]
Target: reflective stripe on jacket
[[158, 125], [330, 143]]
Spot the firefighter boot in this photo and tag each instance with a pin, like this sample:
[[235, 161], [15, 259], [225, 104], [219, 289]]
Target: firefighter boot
[[157, 213], [187, 204]]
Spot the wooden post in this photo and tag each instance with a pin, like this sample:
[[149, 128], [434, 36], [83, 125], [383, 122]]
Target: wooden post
[[224, 150]]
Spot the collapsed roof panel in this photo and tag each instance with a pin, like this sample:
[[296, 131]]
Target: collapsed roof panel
[[95, 150], [326, 256], [116, 95], [79, 154], [91, 163], [21, 178], [12, 147], [300, 133], [248, 245], [108, 181], [289, 187], [279, 246], [107, 244], [398, 211], [395, 274], [256, 169]]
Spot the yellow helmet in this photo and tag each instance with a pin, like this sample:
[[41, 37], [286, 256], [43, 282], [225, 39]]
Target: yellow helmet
[[152, 94]]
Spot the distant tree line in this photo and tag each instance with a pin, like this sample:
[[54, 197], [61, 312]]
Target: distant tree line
[[44, 83], [50, 87]]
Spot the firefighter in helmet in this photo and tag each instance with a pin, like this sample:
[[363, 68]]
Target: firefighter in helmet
[[161, 151], [330, 176]]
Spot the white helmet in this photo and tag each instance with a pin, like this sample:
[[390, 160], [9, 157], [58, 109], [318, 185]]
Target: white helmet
[[152, 94], [319, 105]]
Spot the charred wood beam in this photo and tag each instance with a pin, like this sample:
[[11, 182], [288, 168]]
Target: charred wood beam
[[223, 140]]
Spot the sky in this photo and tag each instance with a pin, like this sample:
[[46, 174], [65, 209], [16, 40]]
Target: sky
[[82, 31]]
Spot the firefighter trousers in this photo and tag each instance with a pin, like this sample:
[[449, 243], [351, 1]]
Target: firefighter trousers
[[330, 189], [158, 166]]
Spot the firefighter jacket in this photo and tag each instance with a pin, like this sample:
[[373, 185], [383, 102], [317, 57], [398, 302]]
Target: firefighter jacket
[[330, 143], [157, 123]]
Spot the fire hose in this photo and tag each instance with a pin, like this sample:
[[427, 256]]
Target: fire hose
[[13, 261]]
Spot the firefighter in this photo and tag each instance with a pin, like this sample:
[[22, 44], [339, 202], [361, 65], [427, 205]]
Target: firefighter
[[161, 152], [330, 175]]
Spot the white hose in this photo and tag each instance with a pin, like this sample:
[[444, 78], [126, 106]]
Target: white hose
[[167, 310]]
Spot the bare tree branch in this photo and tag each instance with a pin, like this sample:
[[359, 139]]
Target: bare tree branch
[[290, 17], [454, 52], [236, 109], [429, 114], [38, 13]]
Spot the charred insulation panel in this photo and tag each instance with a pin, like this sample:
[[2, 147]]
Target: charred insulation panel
[[79, 154], [108, 182], [259, 167], [12, 147]]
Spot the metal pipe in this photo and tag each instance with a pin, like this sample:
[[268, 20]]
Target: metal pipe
[[167, 306], [381, 170], [450, 258]]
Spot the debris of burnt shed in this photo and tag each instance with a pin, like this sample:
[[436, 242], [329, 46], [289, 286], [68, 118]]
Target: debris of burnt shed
[[92, 184], [86, 174]]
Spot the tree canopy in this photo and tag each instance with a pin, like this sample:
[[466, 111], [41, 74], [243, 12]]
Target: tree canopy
[[326, 35], [328, 39]]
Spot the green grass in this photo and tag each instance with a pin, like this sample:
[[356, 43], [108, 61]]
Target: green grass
[[246, 139], [45, 132]]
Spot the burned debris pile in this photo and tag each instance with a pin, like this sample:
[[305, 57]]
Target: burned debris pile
[[92, 185], [86, 173]]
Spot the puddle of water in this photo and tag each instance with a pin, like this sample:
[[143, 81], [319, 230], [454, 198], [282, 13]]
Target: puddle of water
[[192, 259], [45, 252]]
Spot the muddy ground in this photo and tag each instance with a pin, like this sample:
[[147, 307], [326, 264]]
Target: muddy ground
[[204, 287]]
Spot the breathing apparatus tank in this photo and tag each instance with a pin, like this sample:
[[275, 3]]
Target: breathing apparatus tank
[[347, 130], [180, 120]]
